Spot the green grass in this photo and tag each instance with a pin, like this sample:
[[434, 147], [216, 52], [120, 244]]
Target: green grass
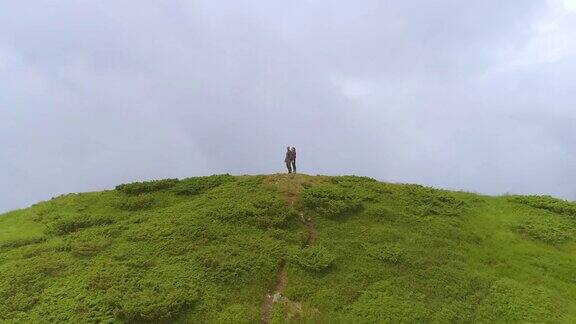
[[208, 249], [16, 228]]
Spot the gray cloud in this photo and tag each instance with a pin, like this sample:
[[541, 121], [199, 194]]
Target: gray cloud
[[463, 95]]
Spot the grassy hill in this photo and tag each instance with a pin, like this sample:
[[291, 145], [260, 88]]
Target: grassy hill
[[288, 248]]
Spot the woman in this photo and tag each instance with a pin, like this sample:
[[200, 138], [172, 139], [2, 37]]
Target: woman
[[293, 159]]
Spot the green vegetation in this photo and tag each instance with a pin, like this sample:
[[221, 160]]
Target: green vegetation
[[208, 249], [315, 258]]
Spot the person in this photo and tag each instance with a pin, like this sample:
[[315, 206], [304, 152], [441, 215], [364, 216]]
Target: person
[[288, 159], [293, 159]]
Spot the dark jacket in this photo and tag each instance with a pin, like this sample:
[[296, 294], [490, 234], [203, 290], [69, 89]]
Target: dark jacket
[[288, 157]]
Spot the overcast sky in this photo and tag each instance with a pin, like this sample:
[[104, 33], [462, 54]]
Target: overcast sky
[[473, 95]]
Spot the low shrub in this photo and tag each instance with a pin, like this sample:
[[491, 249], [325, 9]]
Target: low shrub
[[548, 203], [225, 265], [363, 188], [88, 245], [549, 229], [16, 243], [198, 185], [382, 213], [153, 305], [21, 286], [424, 201], [331, 201], [137, 188], [70, 224], [509, 301], [385, 252], [228, 271], [23, 282], [315, 258], [264, 211], [135, 203], [387, 302], [238, 313], [351, 179]]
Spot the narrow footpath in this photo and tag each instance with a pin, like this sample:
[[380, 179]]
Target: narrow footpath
[[270, 299], [290, 194]]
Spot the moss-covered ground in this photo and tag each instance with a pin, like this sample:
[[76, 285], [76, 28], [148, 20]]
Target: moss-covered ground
[[208, 249]]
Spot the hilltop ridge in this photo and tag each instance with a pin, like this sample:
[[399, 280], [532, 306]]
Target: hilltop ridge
[[288, 248]]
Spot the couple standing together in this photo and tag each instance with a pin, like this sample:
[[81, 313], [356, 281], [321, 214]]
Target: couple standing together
[[291, 159]]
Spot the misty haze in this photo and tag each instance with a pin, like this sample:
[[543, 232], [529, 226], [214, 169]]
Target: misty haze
[[470, 96]]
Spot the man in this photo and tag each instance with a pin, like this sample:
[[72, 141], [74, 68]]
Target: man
[[288, 159], [293, 159]]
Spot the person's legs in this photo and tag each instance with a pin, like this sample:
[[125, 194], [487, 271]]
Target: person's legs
[[294, 166], [289, 167]]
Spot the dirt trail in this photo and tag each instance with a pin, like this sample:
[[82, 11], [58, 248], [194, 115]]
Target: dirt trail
[[312, 234], [290, 190], [269, 299]]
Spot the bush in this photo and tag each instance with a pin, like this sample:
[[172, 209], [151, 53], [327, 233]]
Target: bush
[[16, 243], [331, 201], [385, 252], [137, 188], [71, 224], [548, 203], [239, 260], [152, 304], [351, 179], [315, 258], [510, 301], [549, 229], [88, 245], [387, 302], [238, 313], [264, 211], [224, 267], [135, 203], [22, 287], [198, 185], [425, 201], [383, 213], [363, 188]]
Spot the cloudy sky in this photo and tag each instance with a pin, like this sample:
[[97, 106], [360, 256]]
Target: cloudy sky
[[473, 95]]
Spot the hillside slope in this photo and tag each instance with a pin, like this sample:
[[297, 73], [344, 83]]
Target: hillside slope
[[288, 248]]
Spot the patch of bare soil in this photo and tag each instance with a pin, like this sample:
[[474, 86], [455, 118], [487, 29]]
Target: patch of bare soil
[[271, 298], [312, 234]]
